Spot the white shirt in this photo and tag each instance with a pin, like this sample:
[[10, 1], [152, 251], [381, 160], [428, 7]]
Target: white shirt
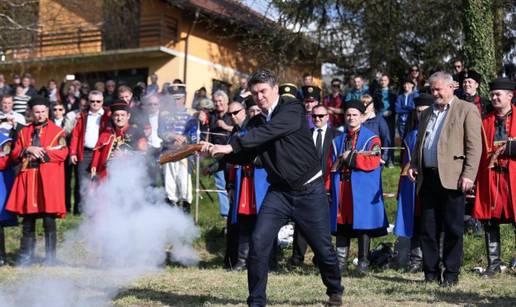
[[323, 132], [6, 127], [432, 134], [269, 111], [154, 139], [91, 136], [58, 121]]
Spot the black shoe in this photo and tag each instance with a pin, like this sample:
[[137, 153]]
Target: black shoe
[[414, 268], [362, 268], [239, 266], [449, 283], [183, 204], [492, 271], [334, 300], [431, 278], [294, 263]]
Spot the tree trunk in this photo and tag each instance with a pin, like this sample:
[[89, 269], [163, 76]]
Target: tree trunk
[[479, 45]]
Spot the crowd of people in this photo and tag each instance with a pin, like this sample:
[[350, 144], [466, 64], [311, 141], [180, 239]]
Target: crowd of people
[[281, 153]]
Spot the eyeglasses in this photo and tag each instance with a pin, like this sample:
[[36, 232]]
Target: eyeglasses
[[318, 115], [234, 113], [414, 70], [153, 104], [95, 101]]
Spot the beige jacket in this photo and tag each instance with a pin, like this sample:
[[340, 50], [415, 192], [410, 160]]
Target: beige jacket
[[459, 147]]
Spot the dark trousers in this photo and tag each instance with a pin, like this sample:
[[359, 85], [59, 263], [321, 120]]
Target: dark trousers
[[309, 210], [245, 229], [442, 209], [71, 185], [391, 123], [83, 178], [299, 246]]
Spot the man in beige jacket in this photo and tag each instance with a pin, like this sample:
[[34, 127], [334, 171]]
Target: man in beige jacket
[[445, 164]]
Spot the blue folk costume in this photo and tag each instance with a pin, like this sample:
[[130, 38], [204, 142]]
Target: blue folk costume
[[258, 187], [366, 188], [250, 186], [6, 181], [406, 192]]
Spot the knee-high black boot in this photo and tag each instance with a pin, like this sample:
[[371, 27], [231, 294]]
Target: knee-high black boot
[[343, 253], [3, 260], [363, 252], [28, 241], [49, 224], [492, 239], [243, 252], [416, 255]]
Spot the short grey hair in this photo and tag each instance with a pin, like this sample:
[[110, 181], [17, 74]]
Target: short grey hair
[[441, 75], [95, 93], [221, 93]]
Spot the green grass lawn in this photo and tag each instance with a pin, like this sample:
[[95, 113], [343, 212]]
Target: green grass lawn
[[208, 284]]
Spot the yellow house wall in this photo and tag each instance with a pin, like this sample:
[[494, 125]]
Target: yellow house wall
[[209, 58], [59, 16]]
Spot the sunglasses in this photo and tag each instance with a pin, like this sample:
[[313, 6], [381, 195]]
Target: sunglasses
[[95, 101], [318, 115], [414, 70], [458, 66], [58, 109], [335, 85], [234, 113]]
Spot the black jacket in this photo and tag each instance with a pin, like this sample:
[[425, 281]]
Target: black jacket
[[330, 134], [284, 145]]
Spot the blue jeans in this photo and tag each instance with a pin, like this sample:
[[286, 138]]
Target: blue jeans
[[220, 184], [310, 211]]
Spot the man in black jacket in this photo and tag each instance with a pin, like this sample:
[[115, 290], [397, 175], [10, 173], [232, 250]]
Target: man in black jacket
[[283, 141]]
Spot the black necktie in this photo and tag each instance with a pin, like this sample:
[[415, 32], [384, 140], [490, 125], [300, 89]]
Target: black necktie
[[318, 142], [35, 137]]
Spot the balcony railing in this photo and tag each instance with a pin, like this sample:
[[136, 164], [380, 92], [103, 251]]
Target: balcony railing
[[155, 30]]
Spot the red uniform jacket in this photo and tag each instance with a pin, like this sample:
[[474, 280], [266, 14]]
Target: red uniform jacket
[[40, 189], [132, 138], [78, 132], [486, 187]]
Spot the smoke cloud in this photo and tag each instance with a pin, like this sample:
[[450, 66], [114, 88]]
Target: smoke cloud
[[124, 236]]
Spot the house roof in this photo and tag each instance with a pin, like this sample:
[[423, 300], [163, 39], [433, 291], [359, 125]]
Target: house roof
[[226, 9]]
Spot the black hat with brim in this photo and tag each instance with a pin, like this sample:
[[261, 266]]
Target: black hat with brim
[[249, 102], [288, 89], [356, 104], [311, 93], [470, 74], [502, 84], [38, 101], [119, 106]]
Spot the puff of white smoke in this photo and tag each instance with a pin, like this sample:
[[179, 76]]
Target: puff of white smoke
[[123, 237], [129, 223]]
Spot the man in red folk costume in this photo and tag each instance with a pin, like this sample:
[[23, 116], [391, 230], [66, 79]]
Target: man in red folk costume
[[495, 200], [115, 140], [38, 190]]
